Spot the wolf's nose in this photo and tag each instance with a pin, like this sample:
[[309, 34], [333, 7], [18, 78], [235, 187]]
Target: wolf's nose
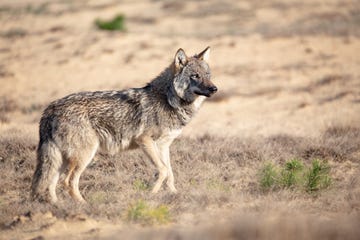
[[213, 89]]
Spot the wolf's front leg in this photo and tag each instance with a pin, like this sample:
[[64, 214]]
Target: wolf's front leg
[[163, 144], [151, 150], [165, 157]]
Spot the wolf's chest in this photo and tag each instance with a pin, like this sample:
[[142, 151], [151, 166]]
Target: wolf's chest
[[197, 103], [168, 136]]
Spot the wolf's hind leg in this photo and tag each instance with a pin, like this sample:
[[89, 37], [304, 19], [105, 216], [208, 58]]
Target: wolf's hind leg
[[71, 169], [81, 161]]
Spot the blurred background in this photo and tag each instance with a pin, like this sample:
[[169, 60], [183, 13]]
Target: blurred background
[[281, 66]]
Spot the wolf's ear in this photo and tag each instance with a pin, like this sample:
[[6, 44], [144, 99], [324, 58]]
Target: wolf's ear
[[204, 55], [180, 59]]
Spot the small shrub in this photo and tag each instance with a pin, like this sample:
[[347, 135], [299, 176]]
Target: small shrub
[[268, 176], [115, 24], [136, 211], [140, 185], [141, 212], [294, 175], [317, 177], [290, 175]]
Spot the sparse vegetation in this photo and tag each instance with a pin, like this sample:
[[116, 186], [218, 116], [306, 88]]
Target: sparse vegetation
[[317, 176], [115, 24], [293, 175], [141, 185], [141, 212], [204, 181], [268, 176], [290, 175], [111, 186]]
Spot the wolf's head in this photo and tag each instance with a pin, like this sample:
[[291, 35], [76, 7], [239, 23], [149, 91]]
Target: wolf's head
[[192, 76]]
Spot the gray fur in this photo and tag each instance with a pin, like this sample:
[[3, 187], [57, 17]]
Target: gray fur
[[74, 128]]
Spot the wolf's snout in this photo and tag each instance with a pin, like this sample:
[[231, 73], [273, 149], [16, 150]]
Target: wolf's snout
[[213, 89]]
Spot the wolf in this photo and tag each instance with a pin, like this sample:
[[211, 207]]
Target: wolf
[[72, 129]]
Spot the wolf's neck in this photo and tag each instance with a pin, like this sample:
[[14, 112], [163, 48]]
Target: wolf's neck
[[162, 82]]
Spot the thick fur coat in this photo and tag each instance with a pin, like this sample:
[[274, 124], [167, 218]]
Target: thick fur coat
[[74, 128]]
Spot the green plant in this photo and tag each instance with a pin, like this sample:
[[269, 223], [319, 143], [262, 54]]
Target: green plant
[[141, 212], [115, 24], [294, 175], [291, 174], [141, 185], [268, 176], [317, 177]]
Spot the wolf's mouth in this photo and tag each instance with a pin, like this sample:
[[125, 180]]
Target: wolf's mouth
[[206, 94]]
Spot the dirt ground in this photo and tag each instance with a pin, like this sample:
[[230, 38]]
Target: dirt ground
[[288, 74]]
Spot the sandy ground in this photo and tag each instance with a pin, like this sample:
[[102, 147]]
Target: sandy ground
[[281, 67]]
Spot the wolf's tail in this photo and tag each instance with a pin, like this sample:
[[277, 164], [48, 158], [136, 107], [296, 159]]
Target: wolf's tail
[[49, 161]]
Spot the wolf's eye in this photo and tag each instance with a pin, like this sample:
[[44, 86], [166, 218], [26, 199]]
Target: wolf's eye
[[194, 76]]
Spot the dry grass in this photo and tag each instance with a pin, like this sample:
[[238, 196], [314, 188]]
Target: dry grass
[[210, 173], [7, 105]]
